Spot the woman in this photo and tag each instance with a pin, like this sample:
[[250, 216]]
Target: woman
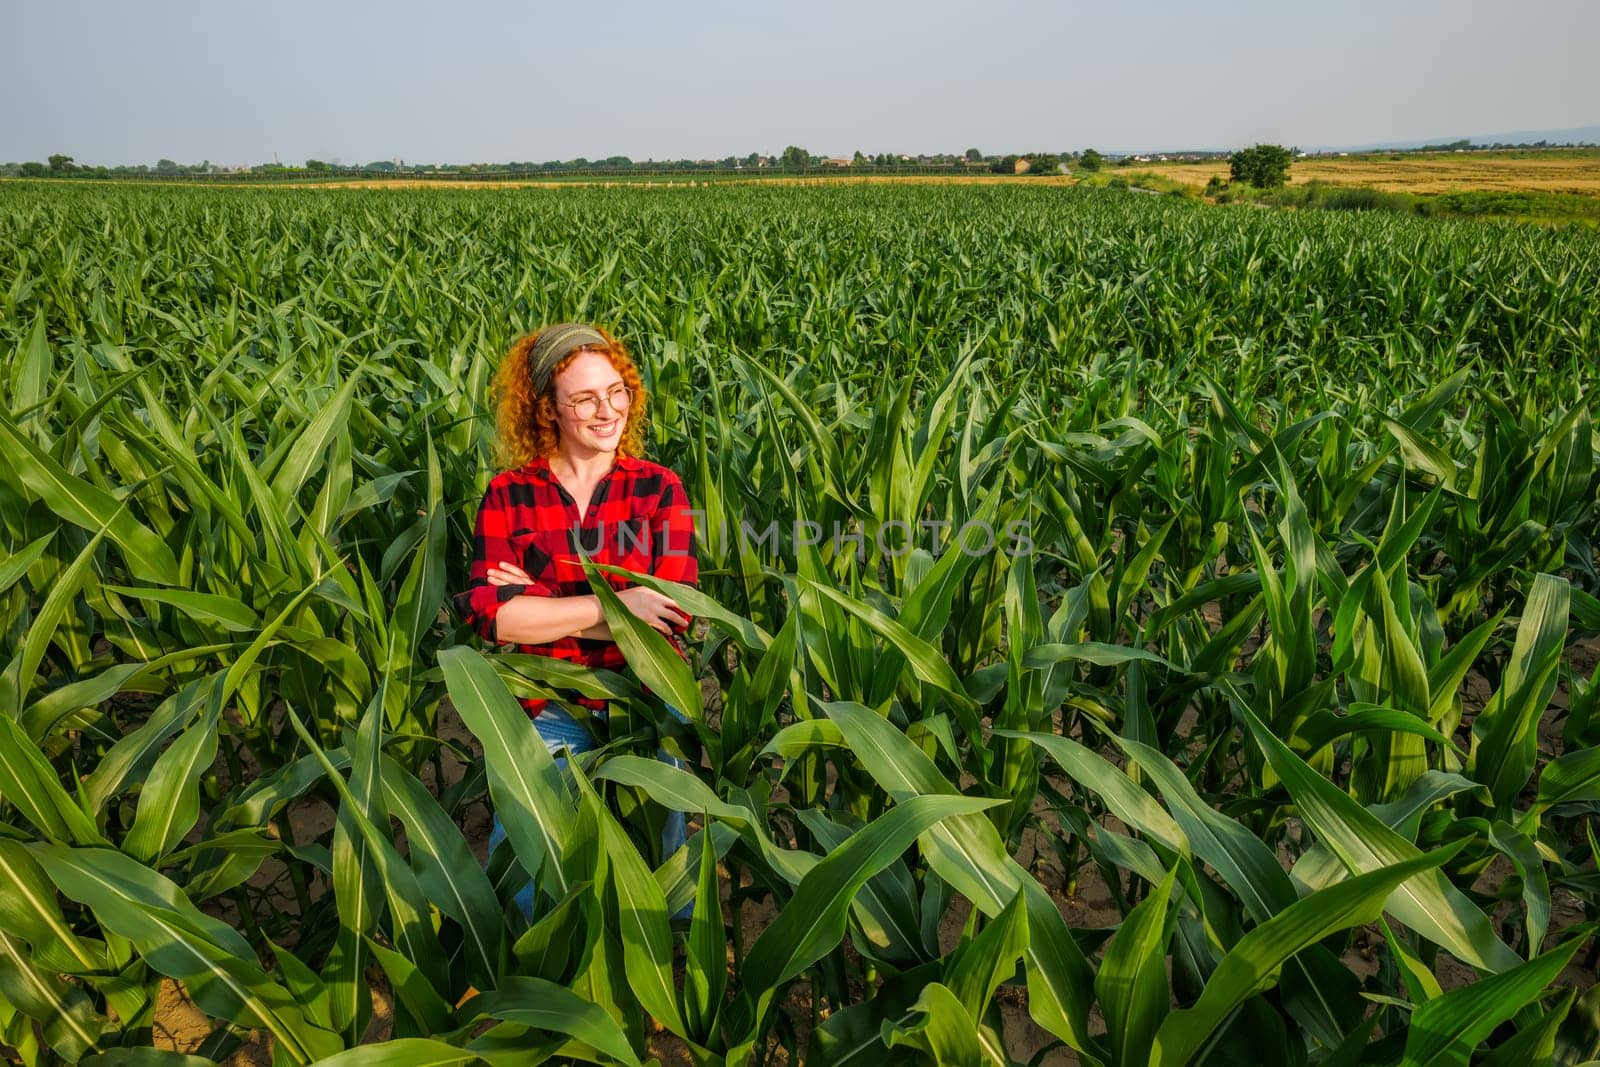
[[570, 412]]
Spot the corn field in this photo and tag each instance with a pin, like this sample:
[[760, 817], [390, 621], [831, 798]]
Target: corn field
[[1284, 654]]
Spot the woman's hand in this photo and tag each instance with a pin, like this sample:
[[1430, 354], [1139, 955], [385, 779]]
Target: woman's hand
[[508, 574], [657, 609]]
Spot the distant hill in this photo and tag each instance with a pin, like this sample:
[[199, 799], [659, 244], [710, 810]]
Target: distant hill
[[1571, 135]]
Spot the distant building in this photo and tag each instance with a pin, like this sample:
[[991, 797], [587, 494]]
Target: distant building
[[837, 161]]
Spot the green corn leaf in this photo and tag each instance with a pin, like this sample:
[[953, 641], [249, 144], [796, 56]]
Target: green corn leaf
[[678, 875], [48, 711], [546, 1006], [1423, 455], [745, 719], [71, 1026], [978, 967], [19, 675], [1132, 980], [224, 611], [169, 800], [1535, 1042], [1572, 778], [698, 604], [17, 564], [1324, 727], [28, 909], [1241, 858], [672, 787], [926, 609], [1523, 853], [942, 1031], [403, 1052], [1252, 964], [798, 738], [1418, 979], [886, 907], [31, 370], [927, 663], [1094, 652], [367, 821], [548, 948], [1319, 866], [421, 1009], [1505, 735], [967, 852], [1446, 675], [1428, 904], [446, 871], [220, 973], [524, 783], [519, 671], [1445, 1030], [422, 592], [651, 656], [646, 937], [29, 783], [309, 991], [706, 964], [311, 447], [86, 505], [1126, 800], [814, 920]]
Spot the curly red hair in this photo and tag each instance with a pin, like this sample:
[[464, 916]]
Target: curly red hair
[[525, 424]]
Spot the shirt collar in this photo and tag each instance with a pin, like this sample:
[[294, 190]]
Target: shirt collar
[[540, 467]]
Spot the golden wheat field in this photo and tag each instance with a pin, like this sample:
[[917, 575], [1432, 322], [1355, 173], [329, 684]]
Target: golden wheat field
[[1575, 172]]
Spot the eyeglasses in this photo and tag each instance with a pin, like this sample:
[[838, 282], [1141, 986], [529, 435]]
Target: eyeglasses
[[619, 398]]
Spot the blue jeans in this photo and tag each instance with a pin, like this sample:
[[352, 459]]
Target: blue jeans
[[559, 730]]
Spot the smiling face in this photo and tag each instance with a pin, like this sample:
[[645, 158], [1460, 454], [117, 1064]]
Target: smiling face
[[590, 374]]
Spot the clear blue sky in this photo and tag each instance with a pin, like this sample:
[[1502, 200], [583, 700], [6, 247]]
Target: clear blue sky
[[433, 82]]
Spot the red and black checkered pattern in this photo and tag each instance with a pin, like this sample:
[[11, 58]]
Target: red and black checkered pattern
[[638, 518]]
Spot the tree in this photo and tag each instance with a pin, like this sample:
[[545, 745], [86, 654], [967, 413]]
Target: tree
[[1265, 166], [1042, 163], [795, 158], [974, 156], [33, 170], [1090, 160], [166, 166], [60, 164], [858, 160]]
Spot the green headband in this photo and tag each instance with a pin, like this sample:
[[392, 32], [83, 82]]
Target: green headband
[[555, 343]]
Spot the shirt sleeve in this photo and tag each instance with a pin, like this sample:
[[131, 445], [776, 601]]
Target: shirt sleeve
[[479, 603], [672, 535], [672, 539]]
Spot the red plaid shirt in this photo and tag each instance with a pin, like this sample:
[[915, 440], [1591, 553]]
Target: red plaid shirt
[[638, 518]]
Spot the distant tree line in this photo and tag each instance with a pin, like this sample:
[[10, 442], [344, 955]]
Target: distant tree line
[[792, 159], [1250, 165]]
